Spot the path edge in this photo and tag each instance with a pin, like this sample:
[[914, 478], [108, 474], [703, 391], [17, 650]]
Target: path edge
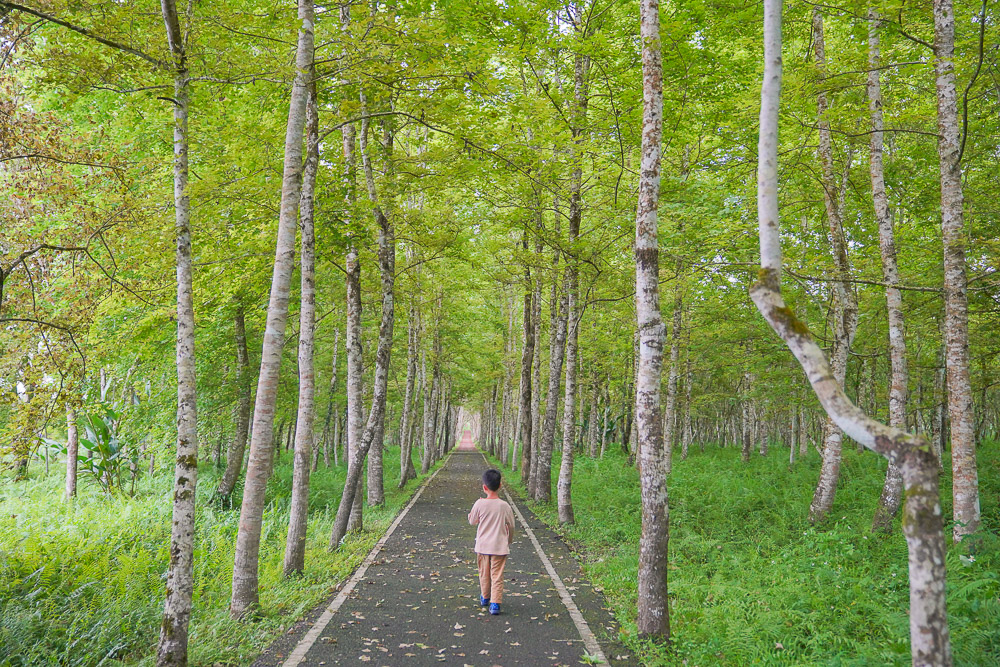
[[298, 654]]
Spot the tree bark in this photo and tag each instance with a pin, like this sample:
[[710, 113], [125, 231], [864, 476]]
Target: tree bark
[[929, 638], [536, 363], [234, 456], [845, 310], [295, 545], [173, 643], [527, 358], [245, 592], [653, 611], [331, 426], [965, 477], [541, 484], [406, 470], [350, 496], [72, 451], [892, 490]]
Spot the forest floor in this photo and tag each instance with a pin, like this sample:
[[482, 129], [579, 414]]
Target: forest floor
[[752, 582], [417, 603]]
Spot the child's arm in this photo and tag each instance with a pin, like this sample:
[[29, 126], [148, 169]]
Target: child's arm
[[474, 514], [510, 524]]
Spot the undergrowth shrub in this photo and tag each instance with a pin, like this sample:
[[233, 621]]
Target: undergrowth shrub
[[82, 584], [751, 582]]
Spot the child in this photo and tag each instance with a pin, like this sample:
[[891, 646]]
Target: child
[[496, 529]]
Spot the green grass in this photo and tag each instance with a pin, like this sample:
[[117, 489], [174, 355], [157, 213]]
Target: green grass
[[751, 582], [83, 585]]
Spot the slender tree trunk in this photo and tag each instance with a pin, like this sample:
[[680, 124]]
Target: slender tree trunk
[[670, 407], [527, 358], [542, 477], [965, 477], [687, 433], [234, 457], [892, 491], [746, 436], [245, 593], [387, 264], [406, 471], [653, 610], [72, 450], [295, 545], [331, 426], [536, 363], [173, 643], [845, 311], [929, 638]]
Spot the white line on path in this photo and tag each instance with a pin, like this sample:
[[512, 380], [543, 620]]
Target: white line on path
[[298, 654], [589, 640]]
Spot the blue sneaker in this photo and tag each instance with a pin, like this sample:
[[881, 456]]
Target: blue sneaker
[[494, 609], [483, 601]]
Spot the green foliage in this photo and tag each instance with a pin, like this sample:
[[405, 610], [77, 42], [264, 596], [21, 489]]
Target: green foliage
[[751, 582], [103, 453], [81, 584]]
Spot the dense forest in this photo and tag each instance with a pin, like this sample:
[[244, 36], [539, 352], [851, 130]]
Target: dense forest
[[263, 265]]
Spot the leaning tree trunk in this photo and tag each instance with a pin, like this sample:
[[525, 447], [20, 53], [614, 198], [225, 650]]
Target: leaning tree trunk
[[173, 644], [653, 611], [245, 593], [234, 456], [929, 639], [295, 545], [845, 311], [72, 451], [965, 477], [892, 490]]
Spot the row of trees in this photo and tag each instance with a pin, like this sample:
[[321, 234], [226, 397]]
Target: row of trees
[[468, 175]]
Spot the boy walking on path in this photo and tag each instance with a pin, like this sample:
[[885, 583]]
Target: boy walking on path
[[496, 530]]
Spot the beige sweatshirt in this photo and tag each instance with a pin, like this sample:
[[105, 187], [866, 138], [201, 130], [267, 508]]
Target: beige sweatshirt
[[496, 526]]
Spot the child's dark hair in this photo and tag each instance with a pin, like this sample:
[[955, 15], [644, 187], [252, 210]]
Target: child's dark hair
[[491, 479]]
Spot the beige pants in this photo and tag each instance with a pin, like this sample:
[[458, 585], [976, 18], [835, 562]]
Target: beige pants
[[491, 576]]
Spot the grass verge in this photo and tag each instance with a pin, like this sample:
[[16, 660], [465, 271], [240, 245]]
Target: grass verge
[[82, 585], [751, 582]]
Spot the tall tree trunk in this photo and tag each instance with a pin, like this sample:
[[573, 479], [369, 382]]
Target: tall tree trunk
[[653, 611], [965, 477], [541, 483], [406, 470], [892, 490], [330, 426], [234, 456], [295, 545], [929, 639], [72, 450], [536, 363], [746, 435], [845, 310], [387, 266], [686, 436], [574, 311], [245, 593], [527, 358], [173, 643], [374, 427]]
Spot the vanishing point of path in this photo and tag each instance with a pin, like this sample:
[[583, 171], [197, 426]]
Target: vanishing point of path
[[417, 603]]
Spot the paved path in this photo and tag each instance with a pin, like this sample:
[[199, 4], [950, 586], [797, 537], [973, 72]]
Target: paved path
[[417, 603]]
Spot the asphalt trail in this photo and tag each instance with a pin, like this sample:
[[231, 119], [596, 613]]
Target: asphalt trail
[[418, 602]]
